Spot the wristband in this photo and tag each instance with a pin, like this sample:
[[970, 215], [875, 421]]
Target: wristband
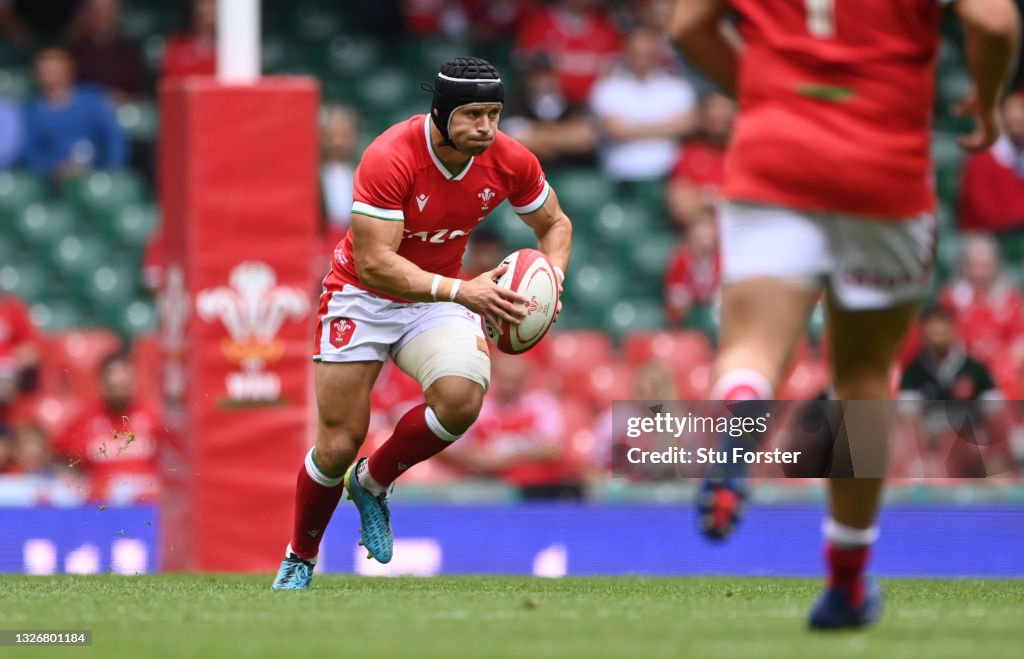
[[433, 287], [455, 289], [561, 273]]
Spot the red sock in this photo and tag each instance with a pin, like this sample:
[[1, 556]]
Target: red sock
[[846, 570], [314, 504], [418, 436]]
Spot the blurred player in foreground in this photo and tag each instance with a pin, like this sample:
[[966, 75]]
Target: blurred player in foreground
[[393, 291], [828, 187]]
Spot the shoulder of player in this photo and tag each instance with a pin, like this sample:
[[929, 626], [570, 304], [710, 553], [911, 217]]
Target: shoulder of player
[[397, 149]]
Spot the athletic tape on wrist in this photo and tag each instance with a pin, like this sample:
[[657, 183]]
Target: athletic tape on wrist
[[455, 289], [433, 287]]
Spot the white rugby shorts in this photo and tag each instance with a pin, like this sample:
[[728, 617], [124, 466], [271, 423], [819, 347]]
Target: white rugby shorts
[[866, 263], [356, 325]]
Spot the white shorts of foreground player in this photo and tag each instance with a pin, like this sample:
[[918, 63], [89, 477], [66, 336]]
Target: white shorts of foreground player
[[702, 456]]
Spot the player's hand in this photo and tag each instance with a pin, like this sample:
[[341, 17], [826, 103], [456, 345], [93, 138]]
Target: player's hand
[[986, 124], [491, 301]]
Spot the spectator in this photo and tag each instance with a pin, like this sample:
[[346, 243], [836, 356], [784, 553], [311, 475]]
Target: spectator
[[15, 31], [69, 128], [486, 250], [987, 308], [945, 392], [114, 440], [101, 55], [31, 454], [641, 138], [580, 39], [6, 451], [27, 20], [430, 17], [694, 182], [339, 139], [556, 130], [12, 134], [19, 355], [992, 187], [692, 278], [520, 437], [194, 51], [652, 381]]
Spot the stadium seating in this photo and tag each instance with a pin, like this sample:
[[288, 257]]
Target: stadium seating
[[23, 279], [103, 193], [18, 190], [139, 120]]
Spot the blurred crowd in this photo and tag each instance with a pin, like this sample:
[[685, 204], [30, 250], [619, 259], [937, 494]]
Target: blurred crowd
[[593, 86]]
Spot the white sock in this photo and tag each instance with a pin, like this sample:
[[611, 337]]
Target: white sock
[[847, 537], [367, 481], [746, 378]]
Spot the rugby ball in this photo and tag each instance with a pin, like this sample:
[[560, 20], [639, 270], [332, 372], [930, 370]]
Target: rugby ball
[[530, 274]]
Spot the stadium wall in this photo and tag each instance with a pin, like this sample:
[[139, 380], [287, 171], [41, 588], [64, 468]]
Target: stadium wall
[[554, 540]]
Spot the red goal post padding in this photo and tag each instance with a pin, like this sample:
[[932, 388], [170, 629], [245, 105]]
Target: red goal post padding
[[239, 194]]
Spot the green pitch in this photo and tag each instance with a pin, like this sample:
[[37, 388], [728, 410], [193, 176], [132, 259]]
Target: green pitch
[[495, 617]]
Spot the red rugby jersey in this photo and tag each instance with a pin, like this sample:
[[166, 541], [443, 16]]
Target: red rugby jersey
[[835, 106], [400, 178]]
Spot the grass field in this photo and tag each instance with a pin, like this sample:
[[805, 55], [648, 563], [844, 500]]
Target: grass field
[[495, 617]]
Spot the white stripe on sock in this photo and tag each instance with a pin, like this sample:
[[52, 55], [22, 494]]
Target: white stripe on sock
[[436, 427], [319, 477], [742, 377], [847, 536], [367, 480]]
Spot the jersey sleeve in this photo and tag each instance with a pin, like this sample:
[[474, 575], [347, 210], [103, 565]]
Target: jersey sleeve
[[530, 187], [382, 184]]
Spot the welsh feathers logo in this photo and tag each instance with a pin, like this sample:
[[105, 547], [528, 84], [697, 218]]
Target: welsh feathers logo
[[485, 197], [252, 308], [532, 306], [341, 331]]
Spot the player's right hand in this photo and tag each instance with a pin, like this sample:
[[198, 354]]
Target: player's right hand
[[491, 301], [986, 124]]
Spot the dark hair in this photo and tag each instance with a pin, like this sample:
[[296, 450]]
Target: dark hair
[[937, 312], [48, 46]]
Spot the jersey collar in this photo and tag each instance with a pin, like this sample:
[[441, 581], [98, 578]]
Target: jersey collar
[[437, 161]]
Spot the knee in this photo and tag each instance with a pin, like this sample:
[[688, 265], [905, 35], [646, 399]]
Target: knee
[[458, 410], [337, 445]]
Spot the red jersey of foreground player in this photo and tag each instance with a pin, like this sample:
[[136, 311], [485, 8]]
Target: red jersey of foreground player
[[400, 178], [835, 110]]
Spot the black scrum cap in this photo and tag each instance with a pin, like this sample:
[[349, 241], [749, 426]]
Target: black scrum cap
[[460, 82]]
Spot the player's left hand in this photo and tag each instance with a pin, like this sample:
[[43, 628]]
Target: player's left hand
[[986, 124]]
